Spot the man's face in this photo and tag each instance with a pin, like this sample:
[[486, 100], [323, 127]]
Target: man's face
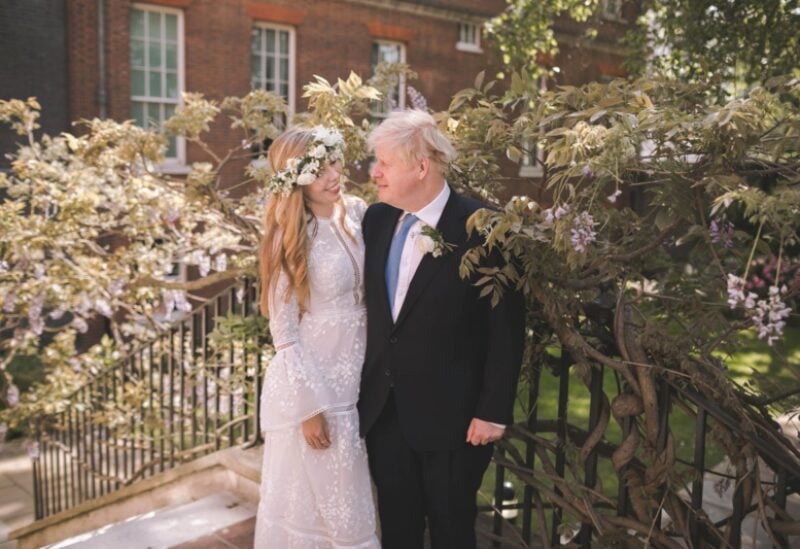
[[397, 182]]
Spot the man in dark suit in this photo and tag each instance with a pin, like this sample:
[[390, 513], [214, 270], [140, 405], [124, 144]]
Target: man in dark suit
[[441, 365]]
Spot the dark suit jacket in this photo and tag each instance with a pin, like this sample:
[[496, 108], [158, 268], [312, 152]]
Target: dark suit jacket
[[450, 356]]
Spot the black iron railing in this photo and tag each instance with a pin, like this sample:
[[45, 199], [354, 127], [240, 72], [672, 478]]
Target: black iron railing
[[172, 400], [191, 398]]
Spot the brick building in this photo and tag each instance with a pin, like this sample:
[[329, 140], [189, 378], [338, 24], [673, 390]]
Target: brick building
[[33, 62], [152, 51]]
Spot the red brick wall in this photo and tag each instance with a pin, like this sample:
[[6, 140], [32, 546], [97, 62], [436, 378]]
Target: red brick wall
[[333, 37]]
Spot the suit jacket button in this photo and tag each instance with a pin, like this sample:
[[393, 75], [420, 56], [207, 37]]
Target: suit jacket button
[[388, 372], [393, 339]]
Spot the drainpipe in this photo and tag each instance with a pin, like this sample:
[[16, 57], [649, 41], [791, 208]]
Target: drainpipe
[[102, 96]]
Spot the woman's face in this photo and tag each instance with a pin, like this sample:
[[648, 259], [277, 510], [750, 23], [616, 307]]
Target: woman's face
[[326, 189]]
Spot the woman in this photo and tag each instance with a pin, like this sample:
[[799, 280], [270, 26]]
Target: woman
[[315, 487]]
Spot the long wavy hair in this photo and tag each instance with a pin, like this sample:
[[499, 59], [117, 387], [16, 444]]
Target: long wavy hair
[[285, 240]]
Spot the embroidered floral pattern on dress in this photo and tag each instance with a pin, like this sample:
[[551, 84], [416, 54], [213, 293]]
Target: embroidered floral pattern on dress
[[318, 499]]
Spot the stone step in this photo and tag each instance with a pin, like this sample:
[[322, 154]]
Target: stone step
[[170, 526]]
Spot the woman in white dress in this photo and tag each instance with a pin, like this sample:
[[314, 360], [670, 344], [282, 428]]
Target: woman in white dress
[[315, 486]]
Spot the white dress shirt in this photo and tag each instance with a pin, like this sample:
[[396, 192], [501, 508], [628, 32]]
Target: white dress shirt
[[412, 253]]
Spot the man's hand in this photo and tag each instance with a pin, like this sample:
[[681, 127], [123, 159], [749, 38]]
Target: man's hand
[[315, 431], [482, 432]]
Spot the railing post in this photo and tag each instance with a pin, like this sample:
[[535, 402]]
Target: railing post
[[561, 435], [530, 452], [590, 466], [780, 501], [497, 511], [695, 524]]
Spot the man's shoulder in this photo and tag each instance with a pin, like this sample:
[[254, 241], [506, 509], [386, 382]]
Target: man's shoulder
[[377, 211], [468, 205]]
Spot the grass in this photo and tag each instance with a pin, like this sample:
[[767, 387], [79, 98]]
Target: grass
[[754, 365]]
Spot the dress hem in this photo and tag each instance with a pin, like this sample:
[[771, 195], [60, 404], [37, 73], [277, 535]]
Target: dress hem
[[369, 541]]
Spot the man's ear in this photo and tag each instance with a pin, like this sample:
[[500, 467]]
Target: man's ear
[[423, 168]]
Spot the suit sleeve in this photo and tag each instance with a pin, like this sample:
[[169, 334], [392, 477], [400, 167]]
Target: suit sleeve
[[506, 325]]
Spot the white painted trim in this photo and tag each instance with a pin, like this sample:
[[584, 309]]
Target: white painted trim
[[471, 47], [291, 100], [177, 164]]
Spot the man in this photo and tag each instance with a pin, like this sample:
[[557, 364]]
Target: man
[[441, 365]]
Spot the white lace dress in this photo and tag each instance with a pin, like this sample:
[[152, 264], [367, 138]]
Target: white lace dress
[[318, 499]]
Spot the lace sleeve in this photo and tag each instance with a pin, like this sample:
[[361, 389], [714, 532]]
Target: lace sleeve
[[294, 387]]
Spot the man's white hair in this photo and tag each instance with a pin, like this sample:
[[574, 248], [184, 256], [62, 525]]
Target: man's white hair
[[414, 134]]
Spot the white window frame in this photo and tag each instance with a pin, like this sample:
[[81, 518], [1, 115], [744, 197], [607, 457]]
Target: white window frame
[[176, 164], [401, 91], [263, 25], [471, 46]]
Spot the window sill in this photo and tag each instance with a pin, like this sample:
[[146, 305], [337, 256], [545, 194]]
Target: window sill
[[173, 169], [468, 48]]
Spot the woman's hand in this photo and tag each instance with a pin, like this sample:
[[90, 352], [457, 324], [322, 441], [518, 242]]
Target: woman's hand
[[315, 431]]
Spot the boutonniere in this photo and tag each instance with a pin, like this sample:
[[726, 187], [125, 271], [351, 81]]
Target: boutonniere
[[431, 241]]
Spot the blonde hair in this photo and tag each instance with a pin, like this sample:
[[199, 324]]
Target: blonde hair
[[415, 135], [285, 240]]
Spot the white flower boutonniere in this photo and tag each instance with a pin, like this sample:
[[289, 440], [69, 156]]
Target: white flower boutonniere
[[431, 241]]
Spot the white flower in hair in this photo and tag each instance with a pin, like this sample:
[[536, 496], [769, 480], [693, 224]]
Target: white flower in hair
[[325, 148], [306, 179]]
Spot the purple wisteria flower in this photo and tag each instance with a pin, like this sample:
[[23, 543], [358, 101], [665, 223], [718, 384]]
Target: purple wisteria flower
[[721, 232], [769, 315], [12, 395], [551, 215], [417, 100], [613, 196], [582, 233]]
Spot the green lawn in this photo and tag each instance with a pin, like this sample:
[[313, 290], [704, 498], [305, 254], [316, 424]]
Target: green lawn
[[755, 365]]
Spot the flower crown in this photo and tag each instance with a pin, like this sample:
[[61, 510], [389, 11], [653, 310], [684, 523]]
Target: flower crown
[[326, 147]]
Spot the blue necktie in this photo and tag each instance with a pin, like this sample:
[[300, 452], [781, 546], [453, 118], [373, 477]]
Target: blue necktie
[[395, 253]]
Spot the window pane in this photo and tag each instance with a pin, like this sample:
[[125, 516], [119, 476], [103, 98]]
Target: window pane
[[137, 82], [255, 40], [169, 110], [171, 26], [172, 85], [137, 113], [284, 37], [375, 57], [269, 85], [154, 55], [171, 54], [255, 68], [154, 25], [137, 53], [154, 88], [270, 41], [390, 53], [285, 91], [270, 68], [172, 149], [153, 115], [284, 69], [137, 23]]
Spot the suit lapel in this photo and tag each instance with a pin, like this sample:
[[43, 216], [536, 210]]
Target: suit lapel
[[451, 226]]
